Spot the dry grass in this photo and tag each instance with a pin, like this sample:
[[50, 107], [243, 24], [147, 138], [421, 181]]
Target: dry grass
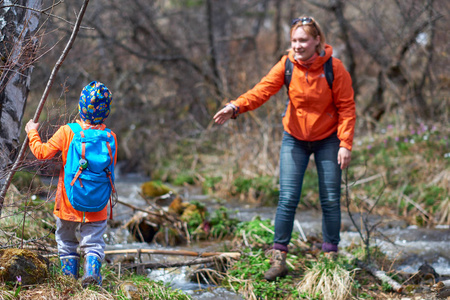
[[64, 287], [328, 281]]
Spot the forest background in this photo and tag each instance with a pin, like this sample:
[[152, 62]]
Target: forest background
[[172, 64]]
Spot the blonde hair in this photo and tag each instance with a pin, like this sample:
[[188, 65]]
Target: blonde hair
[[312, 28]]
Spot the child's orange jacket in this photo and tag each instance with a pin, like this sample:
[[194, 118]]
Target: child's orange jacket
[[314, 111], [60, 141]]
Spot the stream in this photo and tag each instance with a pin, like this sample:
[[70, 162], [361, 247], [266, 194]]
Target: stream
[[409, 246]]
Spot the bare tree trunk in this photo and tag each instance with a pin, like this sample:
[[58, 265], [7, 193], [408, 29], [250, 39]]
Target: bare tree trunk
[[418, 100], [21, 154], [212, 48], [18, 43], [338, 10], [278, 28]]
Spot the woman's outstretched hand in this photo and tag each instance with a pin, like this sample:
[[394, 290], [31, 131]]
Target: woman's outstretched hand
[[223, 115], [344, 157]]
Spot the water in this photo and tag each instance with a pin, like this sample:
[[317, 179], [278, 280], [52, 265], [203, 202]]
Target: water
[[410, 247]]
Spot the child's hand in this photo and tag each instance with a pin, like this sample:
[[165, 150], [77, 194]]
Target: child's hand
[[31, 125]]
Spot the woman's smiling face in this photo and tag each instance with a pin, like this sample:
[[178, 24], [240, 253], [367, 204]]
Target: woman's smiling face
[[303, 44]]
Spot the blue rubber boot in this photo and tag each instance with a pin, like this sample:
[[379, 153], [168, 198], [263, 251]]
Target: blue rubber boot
[[70, 264], [92, 266]]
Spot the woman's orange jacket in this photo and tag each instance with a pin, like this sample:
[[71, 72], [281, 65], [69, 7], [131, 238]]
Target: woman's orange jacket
[[314, 111], [60, 141]]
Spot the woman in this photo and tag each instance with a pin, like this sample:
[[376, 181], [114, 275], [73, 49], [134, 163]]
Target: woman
[[318, 120]]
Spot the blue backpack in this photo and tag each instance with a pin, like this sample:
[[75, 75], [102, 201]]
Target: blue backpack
[[89, 169]]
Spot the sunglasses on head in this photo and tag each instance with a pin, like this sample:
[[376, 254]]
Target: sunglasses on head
[[304, 21]]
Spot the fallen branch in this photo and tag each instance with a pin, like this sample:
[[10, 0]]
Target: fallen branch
[[197, 261], [168, 219], [372, 269], [442, 289], [381, 275], [234, 255], [160, 214], [50, 81]]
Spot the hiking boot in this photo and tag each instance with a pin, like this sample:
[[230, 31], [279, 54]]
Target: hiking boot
[[92, 266], [278, 266], [328, 247], [330, 250], [69, 265]]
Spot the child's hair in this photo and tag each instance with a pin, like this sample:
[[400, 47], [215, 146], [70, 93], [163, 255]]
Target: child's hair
[[94, 103]]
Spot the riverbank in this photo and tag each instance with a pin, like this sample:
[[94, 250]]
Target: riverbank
[[241, 279]]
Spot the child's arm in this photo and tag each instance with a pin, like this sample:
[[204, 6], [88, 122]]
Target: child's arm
[[39, 149]]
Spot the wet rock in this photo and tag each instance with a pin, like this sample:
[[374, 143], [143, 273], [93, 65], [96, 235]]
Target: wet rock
[[427, 272], [154, 189], [129, 290], [30, 267], [165, 199]]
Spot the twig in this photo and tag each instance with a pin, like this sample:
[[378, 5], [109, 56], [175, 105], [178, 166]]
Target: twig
[[302, 233], [160, 214], [365, 180], [416, 205], [42, 101], [266, 228], [44, 11]]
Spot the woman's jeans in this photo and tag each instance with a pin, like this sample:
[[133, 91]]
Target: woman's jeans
[[294, 158]]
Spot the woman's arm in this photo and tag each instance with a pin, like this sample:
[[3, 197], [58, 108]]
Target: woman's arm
[[343, 97]]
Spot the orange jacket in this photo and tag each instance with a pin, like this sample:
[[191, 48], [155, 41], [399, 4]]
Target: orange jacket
[[314, 111], [60, 141]]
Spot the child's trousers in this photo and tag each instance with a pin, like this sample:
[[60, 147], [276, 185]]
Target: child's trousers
[[91, 237]]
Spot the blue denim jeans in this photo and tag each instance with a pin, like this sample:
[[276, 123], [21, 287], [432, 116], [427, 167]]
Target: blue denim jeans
[[294, 158]]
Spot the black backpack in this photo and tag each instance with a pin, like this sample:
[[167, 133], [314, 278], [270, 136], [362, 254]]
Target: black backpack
[[288, 67]]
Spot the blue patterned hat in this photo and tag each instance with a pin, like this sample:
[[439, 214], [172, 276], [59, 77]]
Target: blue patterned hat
[[94, 103]]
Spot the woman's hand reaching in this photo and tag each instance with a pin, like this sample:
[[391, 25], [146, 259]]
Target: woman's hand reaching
[[223, 115]]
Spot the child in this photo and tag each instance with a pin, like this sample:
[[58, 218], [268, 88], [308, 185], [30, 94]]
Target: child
[[94, 107]]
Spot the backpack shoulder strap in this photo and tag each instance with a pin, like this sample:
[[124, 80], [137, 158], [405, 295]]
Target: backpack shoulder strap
[[288, 67], [75, 127], [328, 70]]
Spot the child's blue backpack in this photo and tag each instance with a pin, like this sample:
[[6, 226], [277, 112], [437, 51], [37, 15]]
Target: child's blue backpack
[[89, 169]]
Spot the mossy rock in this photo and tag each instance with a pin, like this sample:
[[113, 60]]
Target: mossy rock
[[177, 206], [154, 189], [31, 267]]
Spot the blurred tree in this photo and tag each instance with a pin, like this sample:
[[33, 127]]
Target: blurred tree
[[19, 22], [394, 35], [172, 64]]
